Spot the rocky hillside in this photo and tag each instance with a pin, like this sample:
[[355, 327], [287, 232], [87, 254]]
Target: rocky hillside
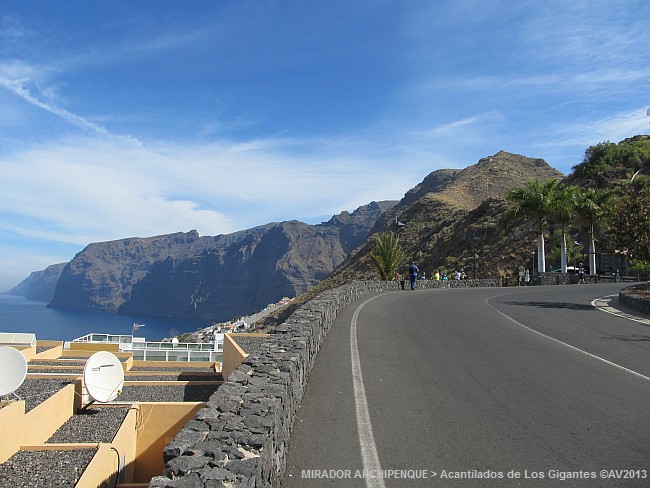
[[188, 276], [451, 220], [452, 213]]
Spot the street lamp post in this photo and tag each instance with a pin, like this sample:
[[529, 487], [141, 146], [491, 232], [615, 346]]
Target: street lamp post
[[398, 224], [532, 267]]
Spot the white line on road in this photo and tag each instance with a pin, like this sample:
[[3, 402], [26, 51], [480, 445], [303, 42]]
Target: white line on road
[[369, 453], [623, 368], [603, 304]]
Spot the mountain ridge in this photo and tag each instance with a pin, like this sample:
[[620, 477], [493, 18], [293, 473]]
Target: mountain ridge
[[184, 275], [441, 215]]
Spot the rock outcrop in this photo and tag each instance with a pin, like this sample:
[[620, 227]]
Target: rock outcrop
[[188, 276], [445, 212]]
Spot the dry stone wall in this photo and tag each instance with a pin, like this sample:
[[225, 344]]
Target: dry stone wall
[[240, 438], [633, 299]]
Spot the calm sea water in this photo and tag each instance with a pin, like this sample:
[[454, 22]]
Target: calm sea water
[[17, 314]]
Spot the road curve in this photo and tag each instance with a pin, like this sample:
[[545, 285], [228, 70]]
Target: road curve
[[477, 387]]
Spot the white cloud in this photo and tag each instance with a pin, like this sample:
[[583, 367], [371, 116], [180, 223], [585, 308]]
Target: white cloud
[[458, 128], [612, 128], [16, 77], [101, 189]]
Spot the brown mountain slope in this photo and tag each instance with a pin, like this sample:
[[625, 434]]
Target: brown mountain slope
[[491, 177], [444, 213]]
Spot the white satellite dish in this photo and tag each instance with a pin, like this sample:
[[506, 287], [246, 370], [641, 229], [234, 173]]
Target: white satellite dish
[[103, 376], [13, 370]]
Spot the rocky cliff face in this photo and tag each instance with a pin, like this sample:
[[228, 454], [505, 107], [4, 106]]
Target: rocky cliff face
[[40, 284], [185, 275], [444, 213], [188, 276]]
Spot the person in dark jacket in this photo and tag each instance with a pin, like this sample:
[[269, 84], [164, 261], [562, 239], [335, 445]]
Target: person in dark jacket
[[413, 272]]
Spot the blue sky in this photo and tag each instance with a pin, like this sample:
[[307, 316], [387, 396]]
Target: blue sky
[[124, 119]]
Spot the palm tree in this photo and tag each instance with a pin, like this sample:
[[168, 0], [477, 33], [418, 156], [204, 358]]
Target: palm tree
[[533, 201], [386, 255], [591, 209], [563, 211]]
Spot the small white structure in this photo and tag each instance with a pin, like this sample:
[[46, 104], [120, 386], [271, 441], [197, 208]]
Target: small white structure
[[144, 350]]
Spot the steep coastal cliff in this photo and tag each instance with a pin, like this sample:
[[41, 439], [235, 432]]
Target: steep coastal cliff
[[184, 275]]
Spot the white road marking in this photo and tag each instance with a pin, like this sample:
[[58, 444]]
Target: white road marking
[[603, 304], [369, 453], [610, 363]]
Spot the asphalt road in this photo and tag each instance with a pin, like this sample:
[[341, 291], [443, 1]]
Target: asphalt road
[[525, 383]]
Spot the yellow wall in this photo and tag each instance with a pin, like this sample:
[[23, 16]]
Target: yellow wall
[[46, 343], [159, 423], [56, 349], [233, 355], [45, 419], [102, 469], [89, 346], [105, 465], [29, 352], [174, 365], [11, 425], [126, 443]]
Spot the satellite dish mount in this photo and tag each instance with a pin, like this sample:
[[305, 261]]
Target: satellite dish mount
[[103, 377]]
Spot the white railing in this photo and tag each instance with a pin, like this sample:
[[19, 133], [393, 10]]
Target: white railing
[[176, 355], [161, 350], [110, 338]]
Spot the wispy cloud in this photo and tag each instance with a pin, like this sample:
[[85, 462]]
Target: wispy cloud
[[613, 128], [100, 189], [13, 34], [459, 126], [17, 76], [212, 117]]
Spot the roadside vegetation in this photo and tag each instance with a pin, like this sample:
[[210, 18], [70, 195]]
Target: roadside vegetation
[[386, 256], [606, 199]]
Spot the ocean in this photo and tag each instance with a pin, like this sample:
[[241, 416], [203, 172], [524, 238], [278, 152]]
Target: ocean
[[17, 314]]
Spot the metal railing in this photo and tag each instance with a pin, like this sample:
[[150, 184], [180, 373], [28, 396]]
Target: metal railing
[[160, 350], [110, 338], [177, 355]]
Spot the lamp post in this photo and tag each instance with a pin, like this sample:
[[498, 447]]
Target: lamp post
[[398, 224], [532, 267]]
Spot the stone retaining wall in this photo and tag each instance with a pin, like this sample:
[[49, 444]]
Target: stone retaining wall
[[628, 299], [240, 438], [428, 284]]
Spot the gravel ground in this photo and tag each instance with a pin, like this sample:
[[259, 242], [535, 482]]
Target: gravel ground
[[45, 469], [84, 358], [75, 371], [189, 368], [174, 377], [167, 393], [35, 391], [40, 349], [91, 425], [249, 344], [53, 362]]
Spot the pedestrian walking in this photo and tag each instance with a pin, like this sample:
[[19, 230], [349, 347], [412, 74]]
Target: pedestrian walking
[[413, 272]]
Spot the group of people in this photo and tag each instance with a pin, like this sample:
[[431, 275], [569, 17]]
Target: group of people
[[414, 271]]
